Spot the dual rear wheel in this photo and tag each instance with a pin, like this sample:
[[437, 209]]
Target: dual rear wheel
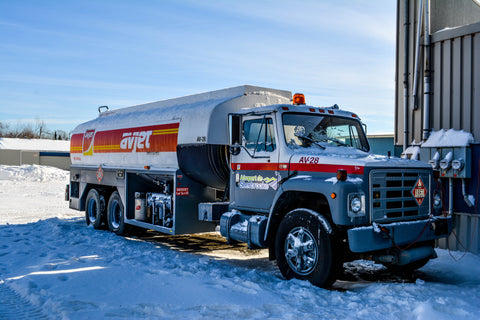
[[95, 209], [98, 212], [116, 214]]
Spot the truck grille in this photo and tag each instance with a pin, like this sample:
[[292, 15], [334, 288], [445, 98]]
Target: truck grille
[[391, 195]]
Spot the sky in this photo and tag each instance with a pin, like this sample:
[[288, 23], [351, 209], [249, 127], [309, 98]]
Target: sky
[[60, 60]]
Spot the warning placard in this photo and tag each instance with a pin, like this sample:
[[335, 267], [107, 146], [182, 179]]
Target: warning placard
[[182, 191], [419, 191]]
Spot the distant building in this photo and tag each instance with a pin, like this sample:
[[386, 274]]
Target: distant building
[[382, 144], [53, 153]]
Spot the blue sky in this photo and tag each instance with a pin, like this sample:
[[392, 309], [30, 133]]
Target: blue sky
[[60, 60]]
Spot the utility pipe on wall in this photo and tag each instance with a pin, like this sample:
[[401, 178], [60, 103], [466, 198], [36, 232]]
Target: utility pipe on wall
[[427, 77], [405, 76], [417, 54], [450, 196]]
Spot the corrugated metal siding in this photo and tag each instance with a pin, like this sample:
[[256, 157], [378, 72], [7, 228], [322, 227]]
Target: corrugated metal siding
[[455, 94], [465, 235], [456, 82], [455, 65], [455, 98]]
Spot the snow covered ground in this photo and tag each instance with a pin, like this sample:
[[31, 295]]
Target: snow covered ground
[[54, 267]]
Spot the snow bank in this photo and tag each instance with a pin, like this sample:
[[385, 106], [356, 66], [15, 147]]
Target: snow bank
[[32, 173], [34, 144], [449, 138], [30, 193]]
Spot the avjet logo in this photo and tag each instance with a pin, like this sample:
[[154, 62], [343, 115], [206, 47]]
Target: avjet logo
[[89, 134], [136, 140], [88, 142]]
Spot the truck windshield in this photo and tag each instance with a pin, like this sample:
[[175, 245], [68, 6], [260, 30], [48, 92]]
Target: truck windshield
[[306, 130]]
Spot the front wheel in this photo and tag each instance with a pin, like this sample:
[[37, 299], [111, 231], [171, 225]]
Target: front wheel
[[304, 249], [116, 214]]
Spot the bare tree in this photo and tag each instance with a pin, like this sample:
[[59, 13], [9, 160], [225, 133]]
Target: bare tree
[[40, 128], [4, 128], [23, 131], [61, 135], [29, 131]]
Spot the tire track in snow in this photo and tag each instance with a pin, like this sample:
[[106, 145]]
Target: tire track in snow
[[13, 306]]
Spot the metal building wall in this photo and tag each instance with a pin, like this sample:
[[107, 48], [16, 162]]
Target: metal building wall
[[454, 64], [456, 79], [407, 15], [59, 160], [452, 13]]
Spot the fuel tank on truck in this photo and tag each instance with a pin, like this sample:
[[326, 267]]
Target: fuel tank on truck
[[189, 133]]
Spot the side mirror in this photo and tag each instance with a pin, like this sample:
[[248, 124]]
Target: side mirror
[[235, 149]]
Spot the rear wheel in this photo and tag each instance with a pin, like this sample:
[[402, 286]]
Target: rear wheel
[[304, 249], [116, 214], [94, 208]]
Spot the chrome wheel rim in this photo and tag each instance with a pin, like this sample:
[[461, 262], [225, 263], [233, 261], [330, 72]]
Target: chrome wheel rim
[[116, 214], [301, 251], [92, 210]]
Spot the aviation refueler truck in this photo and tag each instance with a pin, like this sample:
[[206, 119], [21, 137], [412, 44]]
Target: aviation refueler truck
[[270, 170]]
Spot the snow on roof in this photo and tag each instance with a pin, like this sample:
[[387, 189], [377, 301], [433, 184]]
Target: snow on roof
[[449, 138], [411, 152], [34, 144]]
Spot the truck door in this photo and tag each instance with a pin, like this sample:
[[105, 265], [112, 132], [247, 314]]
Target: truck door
[[255, 175]]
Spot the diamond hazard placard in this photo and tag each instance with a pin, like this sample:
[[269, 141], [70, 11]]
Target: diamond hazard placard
[[419, 191], [100, 174]]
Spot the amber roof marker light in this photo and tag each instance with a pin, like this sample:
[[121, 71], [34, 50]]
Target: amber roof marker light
[[298, 98]]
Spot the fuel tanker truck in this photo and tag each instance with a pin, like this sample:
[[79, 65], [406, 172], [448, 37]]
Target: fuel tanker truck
[[265, 169]]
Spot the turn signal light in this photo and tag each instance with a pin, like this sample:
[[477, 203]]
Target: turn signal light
[[298, 98], [341, 175]]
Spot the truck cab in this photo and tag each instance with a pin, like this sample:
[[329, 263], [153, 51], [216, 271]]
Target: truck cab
[[304, 184]]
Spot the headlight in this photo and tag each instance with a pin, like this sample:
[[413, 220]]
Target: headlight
[[437, 201], [356, 205]]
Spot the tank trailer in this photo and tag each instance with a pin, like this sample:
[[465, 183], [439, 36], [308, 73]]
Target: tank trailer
[[265, 168]]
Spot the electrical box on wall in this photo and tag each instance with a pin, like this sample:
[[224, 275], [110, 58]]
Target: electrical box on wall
[[452, 162]]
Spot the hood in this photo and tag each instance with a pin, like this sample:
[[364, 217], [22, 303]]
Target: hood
[[353, 160]]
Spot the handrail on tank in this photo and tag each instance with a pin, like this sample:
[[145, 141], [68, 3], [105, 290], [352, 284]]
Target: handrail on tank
[[102, 107]]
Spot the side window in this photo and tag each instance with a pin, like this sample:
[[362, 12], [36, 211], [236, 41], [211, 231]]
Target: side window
[[258, 135]]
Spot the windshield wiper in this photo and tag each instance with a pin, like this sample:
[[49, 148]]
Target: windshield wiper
[[336, 141], [311, 140]]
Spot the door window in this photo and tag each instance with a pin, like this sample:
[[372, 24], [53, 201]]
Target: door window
[[258, 135]]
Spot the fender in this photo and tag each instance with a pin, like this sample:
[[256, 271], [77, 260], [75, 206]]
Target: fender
[[321, 186], [323, 221]]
